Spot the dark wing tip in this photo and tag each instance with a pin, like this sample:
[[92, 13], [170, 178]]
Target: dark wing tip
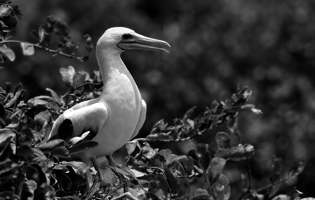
[[65, 130]]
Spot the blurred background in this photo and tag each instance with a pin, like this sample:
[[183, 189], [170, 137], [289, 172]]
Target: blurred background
[[217, 46]]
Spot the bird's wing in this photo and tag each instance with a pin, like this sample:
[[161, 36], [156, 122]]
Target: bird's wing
[[78, 119]]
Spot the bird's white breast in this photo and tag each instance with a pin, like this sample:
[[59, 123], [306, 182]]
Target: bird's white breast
[[123, 99]]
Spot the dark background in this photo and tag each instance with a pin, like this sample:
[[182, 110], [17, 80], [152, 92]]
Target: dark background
[[217, 45]]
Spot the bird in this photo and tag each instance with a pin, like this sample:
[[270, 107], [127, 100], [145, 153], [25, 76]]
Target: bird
[[118, 114]]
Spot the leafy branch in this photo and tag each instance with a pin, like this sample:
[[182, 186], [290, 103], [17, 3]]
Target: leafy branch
[[49, 33], [28, 49]]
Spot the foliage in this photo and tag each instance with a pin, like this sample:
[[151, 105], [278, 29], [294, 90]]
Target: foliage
[[49, 33], [192, 157], [34, 168]]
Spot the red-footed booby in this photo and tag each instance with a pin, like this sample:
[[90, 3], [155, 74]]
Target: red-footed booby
[[119, 113]]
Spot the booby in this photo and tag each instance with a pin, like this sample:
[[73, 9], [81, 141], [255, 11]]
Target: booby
[[119, 113]]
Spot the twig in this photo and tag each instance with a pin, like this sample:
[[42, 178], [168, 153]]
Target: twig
[[52, 51]]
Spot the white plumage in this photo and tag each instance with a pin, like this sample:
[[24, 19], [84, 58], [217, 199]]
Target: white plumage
[[119, 113]]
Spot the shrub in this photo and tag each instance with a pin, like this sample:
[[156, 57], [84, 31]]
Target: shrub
[[195, 157]]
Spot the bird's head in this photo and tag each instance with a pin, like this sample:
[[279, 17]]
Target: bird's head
[[120, 39]]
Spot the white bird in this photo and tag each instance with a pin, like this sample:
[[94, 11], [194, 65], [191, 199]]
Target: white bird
[[119, 113]]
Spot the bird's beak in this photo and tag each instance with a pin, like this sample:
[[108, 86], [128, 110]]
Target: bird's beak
[[140, 42]]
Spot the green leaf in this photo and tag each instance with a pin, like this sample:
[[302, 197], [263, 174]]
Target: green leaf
[[282, 197], [7, 138], [55, 96], [216, 167], [40, 100], [41, 35], [38, 156], [80, 168], [51, 144], [80, 78], [5, 10], [237, 153], [67, 74], [60, 151], [223, 140], [221, 188], [9, 195], [6, 134], [29, 189], [28, 49], [148, 152], [252, 108], [131, 147], [43, 117], [8, 165], [200, 194], [295, 172], [9, 53]]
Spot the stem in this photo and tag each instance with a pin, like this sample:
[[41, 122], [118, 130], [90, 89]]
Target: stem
[[52, 51]]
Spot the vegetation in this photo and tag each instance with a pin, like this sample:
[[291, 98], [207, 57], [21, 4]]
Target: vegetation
[[202, 155]]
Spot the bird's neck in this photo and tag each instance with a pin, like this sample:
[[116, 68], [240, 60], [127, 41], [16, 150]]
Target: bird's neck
[[109, 62]]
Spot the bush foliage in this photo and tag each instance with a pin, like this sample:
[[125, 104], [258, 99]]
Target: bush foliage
[[194, 157]]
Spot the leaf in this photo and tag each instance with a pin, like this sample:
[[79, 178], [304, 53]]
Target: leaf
[[80, 78], [41, 35], [293, 174], [14, 100], [5, 10], [7, 138], [108, 176], [237, 153], [221, 188], [223, 140], [282, 197], [9, 53], [9, 195], [38, 156], [137, 173], [36, 172], [43, 117], [55, 96], [148, 152], [46, 192], [200, 194], [173, 182], [131, 147], [252, 108], [60, 151], [6, 134], [216, 167], [80, 168], [67, 74], [28, 49], [7, 165], [40, 100], [51, 144], [73, 197], [29, 189]]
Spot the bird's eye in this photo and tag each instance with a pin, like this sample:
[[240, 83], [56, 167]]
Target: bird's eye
[[126, 36]]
